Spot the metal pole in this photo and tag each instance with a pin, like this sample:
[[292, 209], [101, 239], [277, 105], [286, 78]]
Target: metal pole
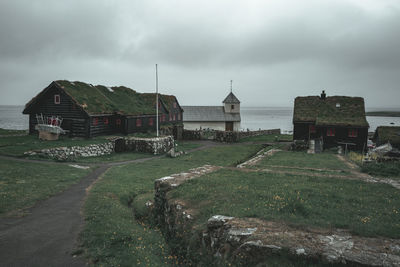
[[157, 99]]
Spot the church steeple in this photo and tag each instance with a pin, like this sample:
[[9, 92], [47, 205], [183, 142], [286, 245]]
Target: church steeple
[[231, 103]]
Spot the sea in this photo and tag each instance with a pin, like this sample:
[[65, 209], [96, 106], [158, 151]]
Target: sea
[[253, 118]]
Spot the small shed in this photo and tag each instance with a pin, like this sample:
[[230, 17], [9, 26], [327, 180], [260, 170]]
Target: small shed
[[333, 120], [89, 110], [387, 134]]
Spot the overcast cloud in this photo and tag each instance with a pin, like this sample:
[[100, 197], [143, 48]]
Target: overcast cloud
[[273, 50]]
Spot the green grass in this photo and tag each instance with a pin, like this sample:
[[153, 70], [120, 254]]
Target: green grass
[[5, 132], [364, 208], [268, 138], [382, 169], [22, 184], [113, 234], [185, 146], [115, 157], [302, 159], [17, 145]]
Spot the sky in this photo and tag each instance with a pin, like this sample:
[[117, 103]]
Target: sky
[[273, 50]]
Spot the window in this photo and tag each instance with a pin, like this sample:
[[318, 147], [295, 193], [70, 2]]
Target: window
[[95, 121], [174, 117], [118, 122], [353, 133], [232, 106], [330, 132], [105, 121], [150, 121], [312, 129], [138, 122], [56, 99], [179, 116], [174, 104]]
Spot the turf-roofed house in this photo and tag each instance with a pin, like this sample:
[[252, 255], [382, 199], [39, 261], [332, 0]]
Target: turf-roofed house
[[89, 110], [331, 121]]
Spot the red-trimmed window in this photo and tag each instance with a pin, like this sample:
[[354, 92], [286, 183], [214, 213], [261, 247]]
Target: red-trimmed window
[[330, 132], [57, 99], [312, 129], [138, 122], [353, 133], [151, 121], [95, 121], [105, 120], [118, 122]]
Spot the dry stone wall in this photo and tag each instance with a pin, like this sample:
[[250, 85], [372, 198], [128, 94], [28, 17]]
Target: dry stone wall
[[159, 145]]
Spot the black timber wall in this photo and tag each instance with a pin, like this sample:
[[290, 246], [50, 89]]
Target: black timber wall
[[74, 119]]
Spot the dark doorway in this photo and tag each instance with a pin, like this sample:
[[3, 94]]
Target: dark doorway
[[229, 126]]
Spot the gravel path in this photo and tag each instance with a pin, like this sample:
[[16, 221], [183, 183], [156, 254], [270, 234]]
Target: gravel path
[[48, 235]]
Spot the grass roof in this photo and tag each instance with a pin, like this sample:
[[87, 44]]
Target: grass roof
[[334, 110], [100, 99], [389, 134]]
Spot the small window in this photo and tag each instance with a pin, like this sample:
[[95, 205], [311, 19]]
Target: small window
[[312, 129], [338, 105], [232, 106], [174, 104], [118, 122], [138, 122], [179, 116], [95, 121], [56, 99], [353, 133], [330, 132], [105, 120], [151, 121]]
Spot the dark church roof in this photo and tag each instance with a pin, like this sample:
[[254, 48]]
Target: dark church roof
[[331, 111], [208, 113], [231, 99], [100, 99]]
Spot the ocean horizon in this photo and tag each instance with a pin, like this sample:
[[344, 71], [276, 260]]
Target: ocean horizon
[[253, 118]]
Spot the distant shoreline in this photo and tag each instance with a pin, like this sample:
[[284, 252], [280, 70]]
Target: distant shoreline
[[383, 113]]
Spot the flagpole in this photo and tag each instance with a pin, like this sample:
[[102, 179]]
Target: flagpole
[[157, 99]]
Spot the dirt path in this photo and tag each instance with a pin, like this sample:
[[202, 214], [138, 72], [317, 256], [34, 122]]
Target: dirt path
[[48, 235]]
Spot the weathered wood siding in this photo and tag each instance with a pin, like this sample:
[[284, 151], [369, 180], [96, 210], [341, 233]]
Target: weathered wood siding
[[73, 116]]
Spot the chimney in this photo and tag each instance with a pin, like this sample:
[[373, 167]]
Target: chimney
[[323, 95]]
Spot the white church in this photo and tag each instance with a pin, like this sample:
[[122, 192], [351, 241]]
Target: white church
[[221, 118]]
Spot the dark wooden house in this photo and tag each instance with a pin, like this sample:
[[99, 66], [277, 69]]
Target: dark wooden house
[[334, 120], [387, 134], [89, 110]]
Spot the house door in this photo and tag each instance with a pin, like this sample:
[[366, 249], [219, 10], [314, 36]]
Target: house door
[[229, 126]]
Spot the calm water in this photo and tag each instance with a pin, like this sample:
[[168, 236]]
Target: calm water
[[253, 118]]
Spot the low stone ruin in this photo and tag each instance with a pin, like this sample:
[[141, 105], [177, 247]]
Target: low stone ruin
[[251, 241]]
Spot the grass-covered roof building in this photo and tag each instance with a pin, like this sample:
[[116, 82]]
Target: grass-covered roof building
[[89, 110], [334, 120]]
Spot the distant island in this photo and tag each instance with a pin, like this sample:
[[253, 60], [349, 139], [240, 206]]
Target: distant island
[[383, 113]]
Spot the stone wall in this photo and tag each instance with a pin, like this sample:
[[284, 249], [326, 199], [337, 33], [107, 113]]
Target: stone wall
[[158, 145], [250, 241], [224, 136], [70, 153]]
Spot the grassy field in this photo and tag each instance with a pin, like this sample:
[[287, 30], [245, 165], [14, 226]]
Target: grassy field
[[17, 145], [303, 160], [268, 138], [22, 184], [364, 208], [112, 236], [383, 169], [5, 132]]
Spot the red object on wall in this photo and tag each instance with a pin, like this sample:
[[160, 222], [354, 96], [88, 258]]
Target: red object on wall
[[312, 129], [105, 121], [138, 122], [330, 132], [95, 121]]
